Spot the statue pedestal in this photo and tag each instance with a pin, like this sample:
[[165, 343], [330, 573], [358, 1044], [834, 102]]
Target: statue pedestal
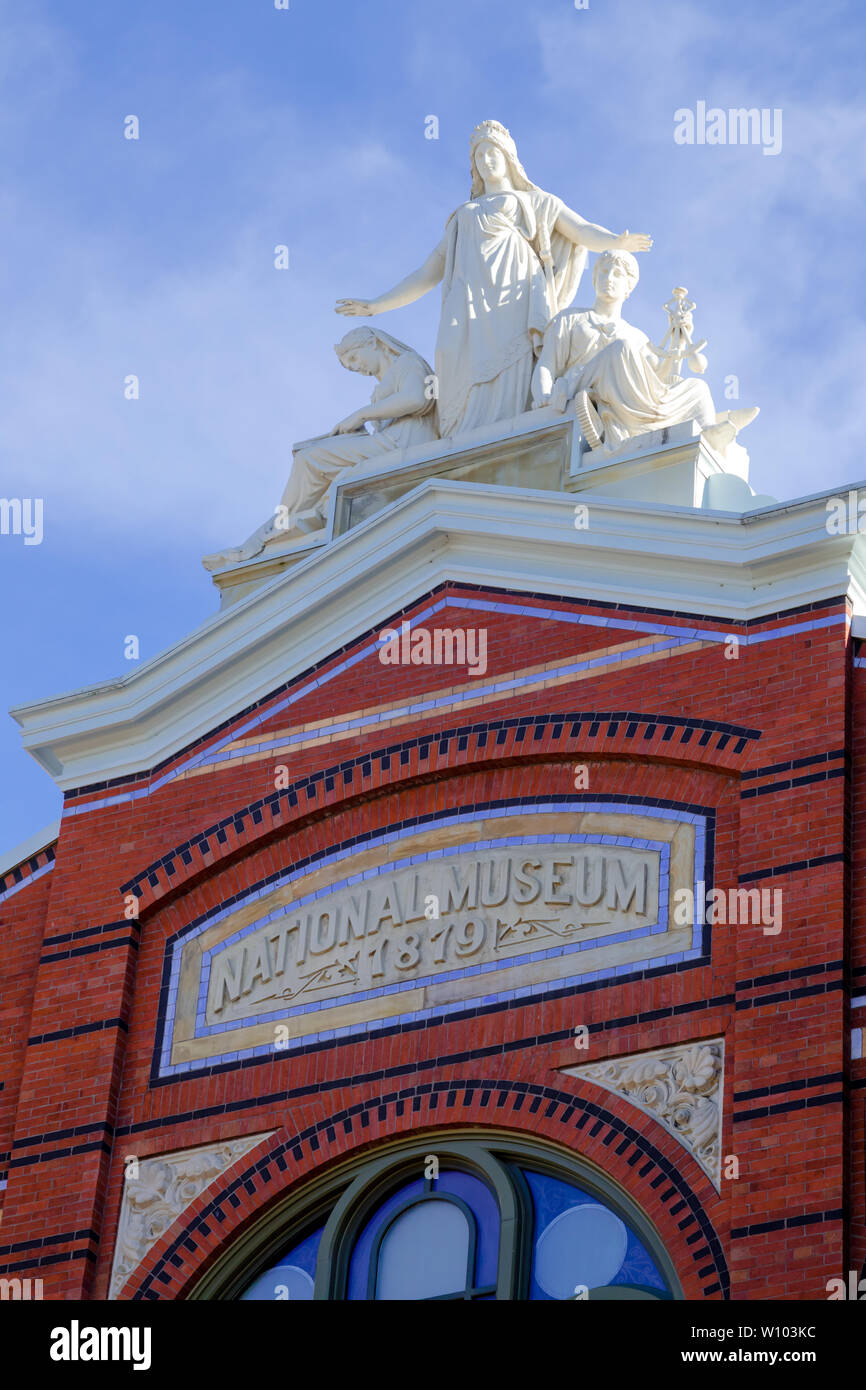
[[540, 451], [544, 450], [235, 579], [670, 465], [536, 450]]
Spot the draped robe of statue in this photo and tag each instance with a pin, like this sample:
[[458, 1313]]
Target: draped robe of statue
[[615, 364], [319, 462], [497, 300]]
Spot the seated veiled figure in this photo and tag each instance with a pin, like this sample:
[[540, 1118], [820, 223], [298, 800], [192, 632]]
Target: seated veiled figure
[[611, 371], [402, 411]]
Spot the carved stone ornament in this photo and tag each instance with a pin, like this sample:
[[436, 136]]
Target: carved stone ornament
[[156, 1191], [507, 268], [681, 1087]]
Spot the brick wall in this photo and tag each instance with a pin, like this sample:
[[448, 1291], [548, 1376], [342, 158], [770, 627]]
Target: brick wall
[[770, 740]]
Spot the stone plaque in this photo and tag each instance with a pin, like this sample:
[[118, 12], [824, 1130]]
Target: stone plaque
[[414, 923]]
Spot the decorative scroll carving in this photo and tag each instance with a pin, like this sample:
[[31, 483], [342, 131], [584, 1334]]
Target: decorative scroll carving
[[156, 1191], [681, 1087]]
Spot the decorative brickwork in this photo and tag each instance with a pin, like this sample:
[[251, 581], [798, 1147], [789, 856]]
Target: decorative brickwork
[[769, 745]]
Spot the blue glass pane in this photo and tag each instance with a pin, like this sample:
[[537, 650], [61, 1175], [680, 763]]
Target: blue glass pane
[[291, 1278], [425, 1252], [484, 1207], [578, 1240], [359, 1268], [639, 1267], [471, 1190]]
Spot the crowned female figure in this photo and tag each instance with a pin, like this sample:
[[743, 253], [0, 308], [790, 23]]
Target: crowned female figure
[[510, 258]]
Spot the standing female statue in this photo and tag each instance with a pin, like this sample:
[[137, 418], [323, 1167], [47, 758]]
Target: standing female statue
[[510, 259]]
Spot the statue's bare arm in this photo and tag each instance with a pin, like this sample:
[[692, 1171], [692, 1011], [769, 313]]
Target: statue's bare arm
[[410, 400], [545, 369], [426, 278], [571, 225]]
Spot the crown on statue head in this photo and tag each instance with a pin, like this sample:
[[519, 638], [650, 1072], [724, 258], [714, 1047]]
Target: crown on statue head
[[490, 129]]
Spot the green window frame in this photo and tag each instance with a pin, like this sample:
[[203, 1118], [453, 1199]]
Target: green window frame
[[345, 1196]]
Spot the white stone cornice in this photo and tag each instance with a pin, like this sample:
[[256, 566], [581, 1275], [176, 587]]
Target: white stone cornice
[[684, 559], [40, 840]]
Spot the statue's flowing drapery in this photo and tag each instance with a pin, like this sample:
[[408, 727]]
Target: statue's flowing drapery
[[318, 464], [497, 300], [631, 398]]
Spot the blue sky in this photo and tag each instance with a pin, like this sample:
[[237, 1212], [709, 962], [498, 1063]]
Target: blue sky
[[306, 127]]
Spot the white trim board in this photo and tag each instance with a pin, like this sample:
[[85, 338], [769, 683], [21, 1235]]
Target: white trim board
[[682, 559], [39, 840]]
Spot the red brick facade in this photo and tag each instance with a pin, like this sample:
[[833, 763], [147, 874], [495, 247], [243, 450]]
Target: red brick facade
[[768, 736]]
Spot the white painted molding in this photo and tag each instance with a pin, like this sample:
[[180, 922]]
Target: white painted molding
[[41, 839], [673, 558]]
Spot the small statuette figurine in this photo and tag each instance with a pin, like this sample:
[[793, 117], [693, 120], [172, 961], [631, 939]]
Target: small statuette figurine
[[402, 411], [510, 258], [677, 342], [616, 377]]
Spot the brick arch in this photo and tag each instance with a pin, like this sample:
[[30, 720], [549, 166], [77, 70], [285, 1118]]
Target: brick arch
[[611, 735], [674, 1195]]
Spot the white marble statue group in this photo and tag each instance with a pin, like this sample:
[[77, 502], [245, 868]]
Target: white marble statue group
[[509, 264]]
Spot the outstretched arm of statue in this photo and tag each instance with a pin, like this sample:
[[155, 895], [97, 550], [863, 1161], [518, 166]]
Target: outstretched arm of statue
[[570, 224], [426, 278]]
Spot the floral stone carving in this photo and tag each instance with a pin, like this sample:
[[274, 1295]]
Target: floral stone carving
[[681, 1087], [156, 1191]]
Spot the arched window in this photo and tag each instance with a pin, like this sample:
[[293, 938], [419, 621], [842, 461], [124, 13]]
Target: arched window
[[451, 1221], [476, 1218]]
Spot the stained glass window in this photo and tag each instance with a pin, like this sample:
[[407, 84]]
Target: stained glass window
[[292, 1278], [580, 1244], [483, 1219]]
